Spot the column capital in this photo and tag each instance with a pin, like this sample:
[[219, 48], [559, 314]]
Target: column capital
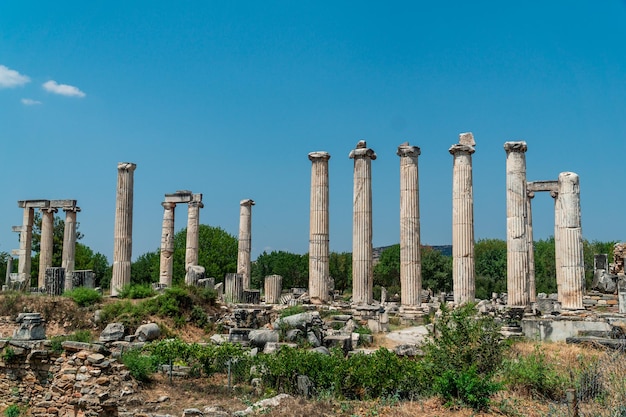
[[75, 209], [49, 210], [515, 146], [196, 204], [460, 148], [168, 205], [126, 166], [319, 156], [554, 194], [530, 194], [362, 151], [409, 151], [246, 202]]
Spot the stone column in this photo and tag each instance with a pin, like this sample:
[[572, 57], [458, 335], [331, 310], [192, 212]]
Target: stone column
[[273, 288], [69, 246], [362, 268], [123, 239], [233, 288], [532, 288], [193, 226], [572, 263], [26, 242], [167, 244], [9, 270], [463, 271], [557, 244], [517, 227], [46, 243], [245, 241], [410, 256], [319, 270]]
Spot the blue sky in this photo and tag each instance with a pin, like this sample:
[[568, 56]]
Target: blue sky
[[228, 98]]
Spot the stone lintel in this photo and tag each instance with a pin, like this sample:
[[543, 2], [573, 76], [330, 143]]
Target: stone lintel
[[407, 150], [362, 151], [33, 203], [319, 155], [18, 229], [536, 186], [460, 148], [182, 196], [467, 138], [246, 202], [519, 146], [63, 203]]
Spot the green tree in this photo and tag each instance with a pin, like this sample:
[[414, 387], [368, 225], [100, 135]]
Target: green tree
[[545, 266], [436, 270], [387, 270], [490, 261], [217, 253], [146, 268], [292, 267], [340, 266]]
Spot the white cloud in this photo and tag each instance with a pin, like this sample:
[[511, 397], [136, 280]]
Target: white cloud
[[62, 89], [30, 102], [11, 78]]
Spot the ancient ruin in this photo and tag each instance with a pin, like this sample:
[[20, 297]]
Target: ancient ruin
[[362, 268], [123, 236], [410, 247], [319, 274], [463, 279], [245, 241]]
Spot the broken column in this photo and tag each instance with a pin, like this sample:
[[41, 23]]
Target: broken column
[[69, 245], [572, 263], [167, 245], [362, 268], [273, 288], [193, 228], [233, 288], [319, 270], [410, 256], [46, 243], [123, 237], [517, 227], [463, 273], [245, 241]]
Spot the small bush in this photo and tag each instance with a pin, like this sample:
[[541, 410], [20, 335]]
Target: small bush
[[140, 366], [292, 311], [466, 387], [84, 296], [136, 291], [534, 375], [12, 411]]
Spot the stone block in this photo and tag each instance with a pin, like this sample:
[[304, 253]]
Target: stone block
[[260, 337], [343, 342], [113, 332], [148, 332]]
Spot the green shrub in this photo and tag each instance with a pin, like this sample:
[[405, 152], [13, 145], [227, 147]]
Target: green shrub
[[136, 291], [56, 342], [12, 411], [84, 296], [463, 356], [140, 366], [292, 311], [534, 375]]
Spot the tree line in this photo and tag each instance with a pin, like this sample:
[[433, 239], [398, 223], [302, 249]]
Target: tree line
[[218, 255]]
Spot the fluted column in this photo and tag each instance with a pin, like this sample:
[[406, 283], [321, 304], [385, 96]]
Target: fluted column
[[362, 268], [410, 256], [319, 270], [123, 240], [572, 263], [273, 288], [166, 267], [69, 246], [26, 242], [517, 227], [245, 241], [532, 287], [557, 244], [463, 271], [193, 225], [46, 244]]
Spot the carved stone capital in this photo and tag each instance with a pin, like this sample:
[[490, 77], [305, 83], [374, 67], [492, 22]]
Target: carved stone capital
[[409, 151], [195, 204], [49, 209], [126, 166], [75, 209], [530, 194], [554, 194], [515, 146], [168, 205], [246, 202], [362, 151], [319, 155], [460, 148]]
